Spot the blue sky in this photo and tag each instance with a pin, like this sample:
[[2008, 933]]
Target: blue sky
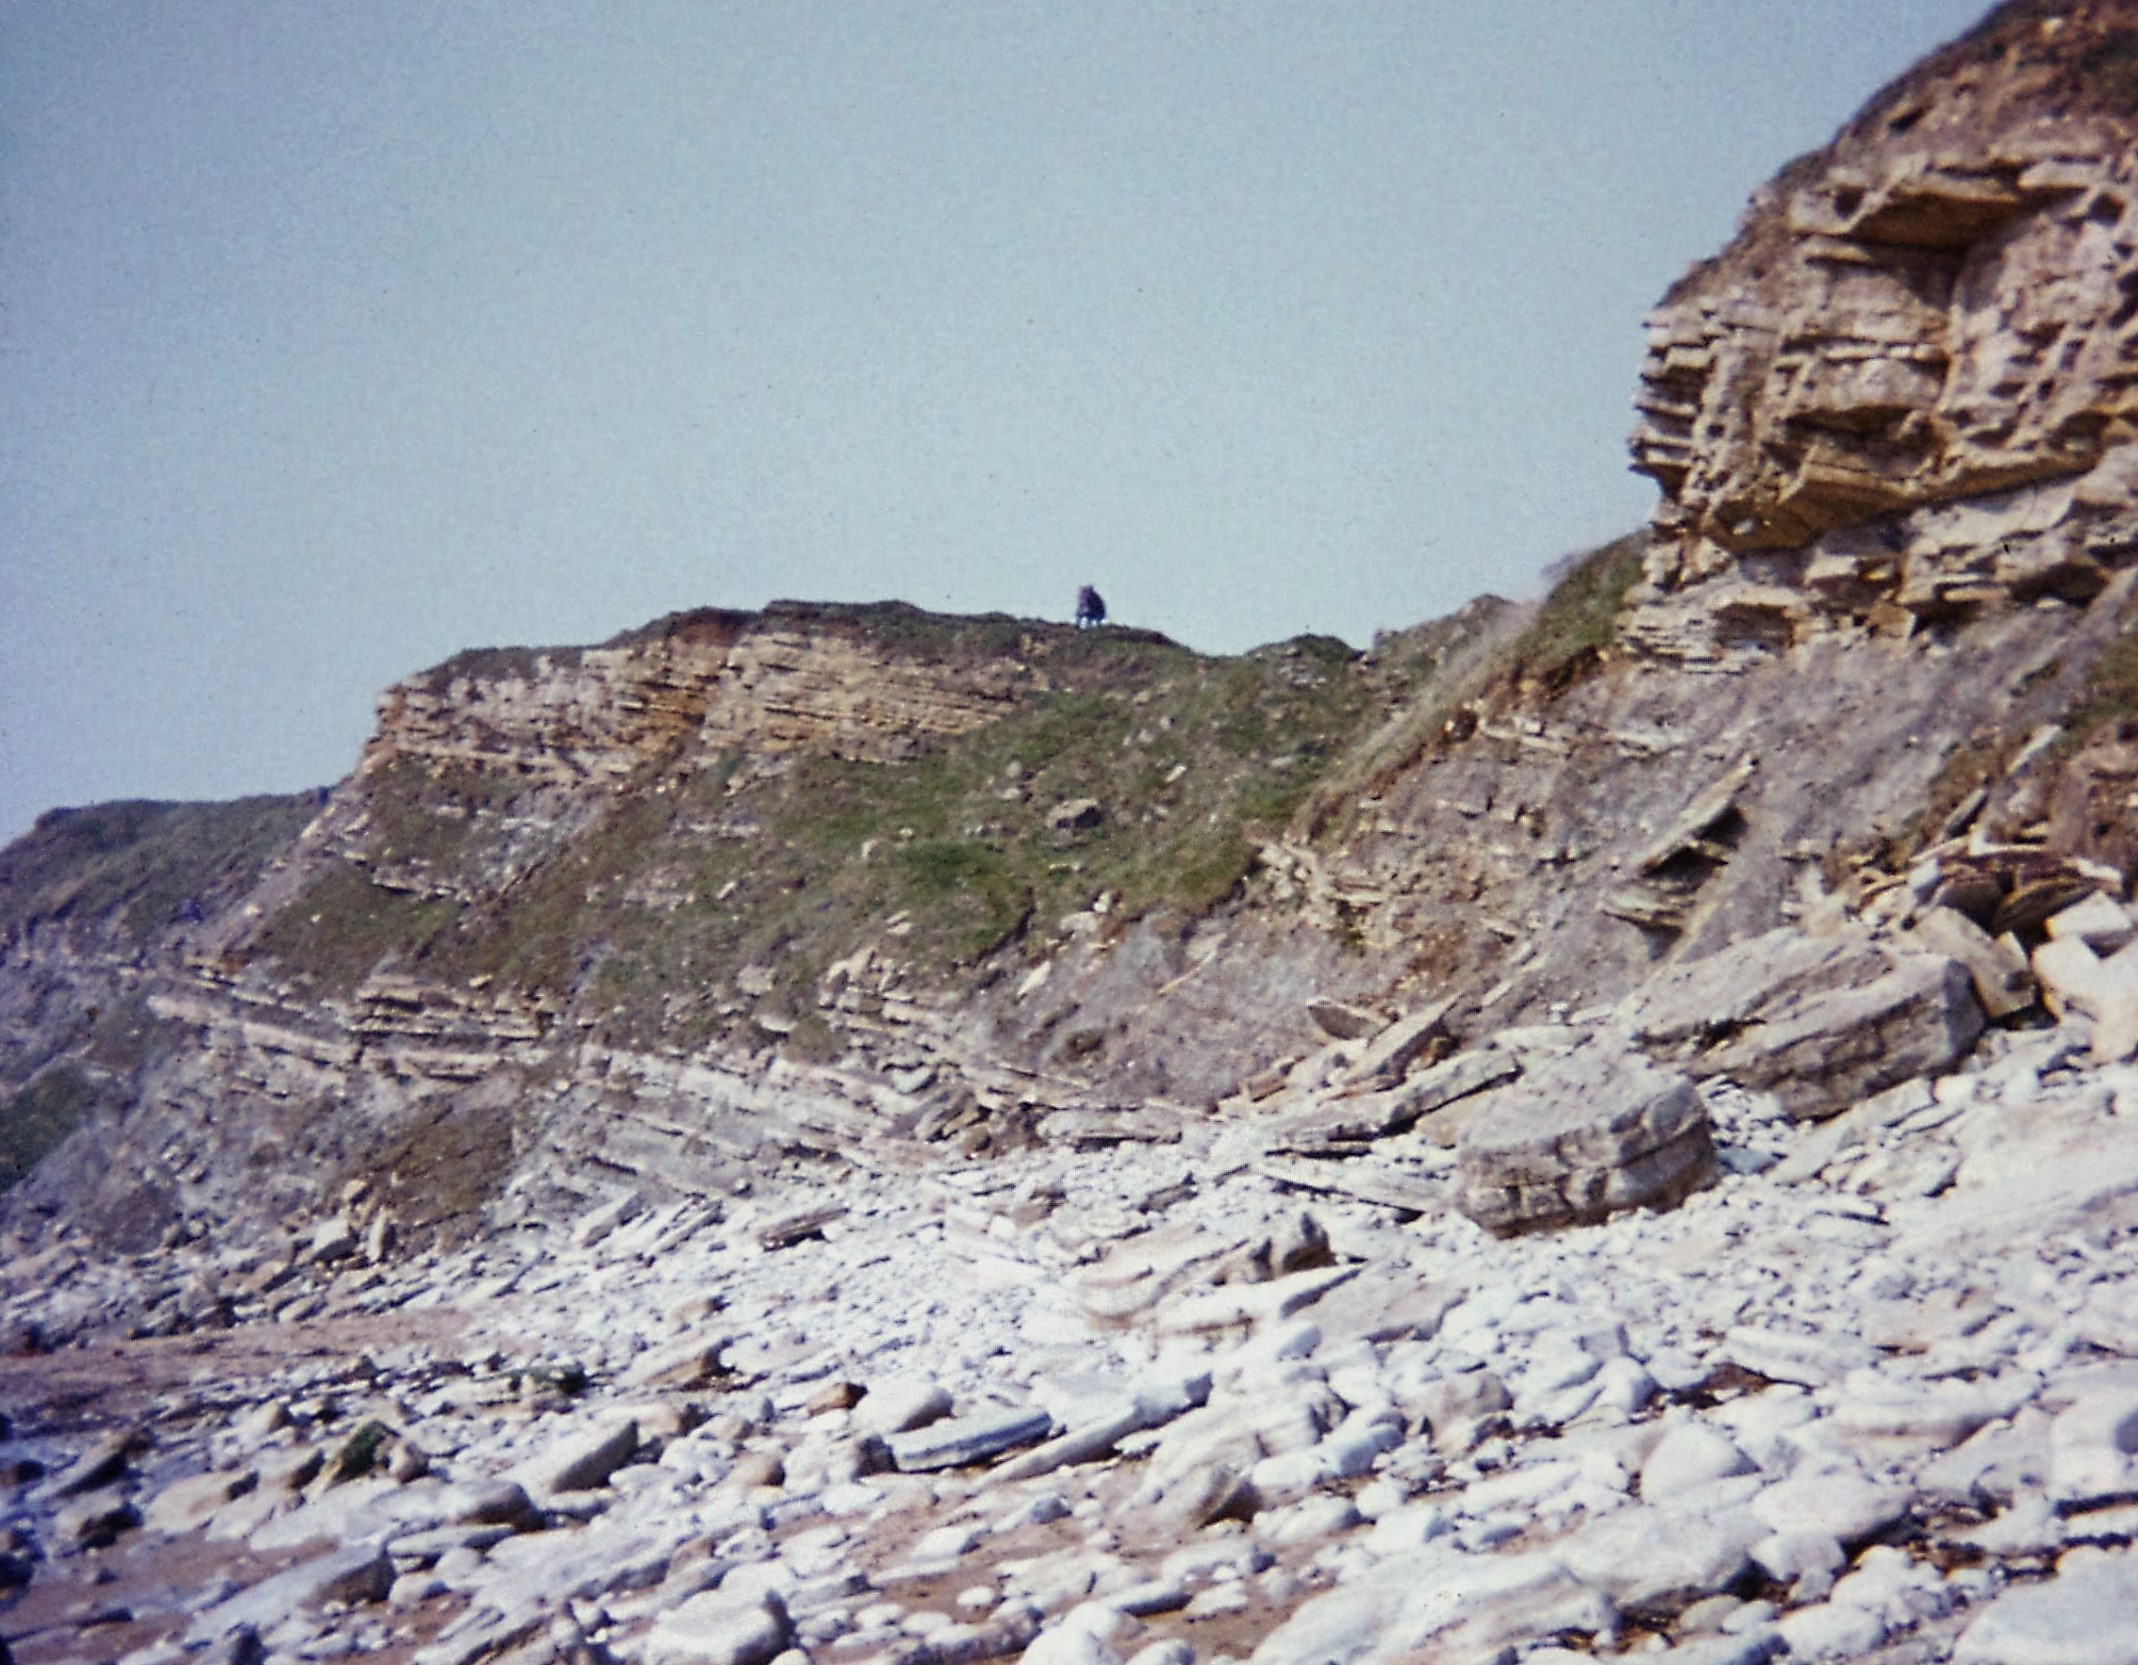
[[335, 337]]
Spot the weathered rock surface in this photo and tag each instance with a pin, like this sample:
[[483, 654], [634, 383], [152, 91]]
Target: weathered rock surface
[[1582, 1137], [1927, 314], [1820, 1021]]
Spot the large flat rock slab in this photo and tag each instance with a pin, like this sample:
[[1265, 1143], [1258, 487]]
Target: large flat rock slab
[[1822, 1022], [1581, 1137]]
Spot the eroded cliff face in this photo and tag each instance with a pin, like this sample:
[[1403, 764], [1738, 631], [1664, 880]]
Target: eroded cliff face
[[794, 678], [842, 882], [1904, 391]]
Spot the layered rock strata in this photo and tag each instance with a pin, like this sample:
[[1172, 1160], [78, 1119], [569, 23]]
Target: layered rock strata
[[792, 678], [1905, 390], [1583, 1137]]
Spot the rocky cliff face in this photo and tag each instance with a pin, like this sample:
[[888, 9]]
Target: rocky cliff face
[[824, 872], [848, 682], [1903, 392], [1604, 1126]]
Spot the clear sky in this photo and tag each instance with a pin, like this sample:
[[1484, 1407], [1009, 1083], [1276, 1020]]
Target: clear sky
[[335, 337]]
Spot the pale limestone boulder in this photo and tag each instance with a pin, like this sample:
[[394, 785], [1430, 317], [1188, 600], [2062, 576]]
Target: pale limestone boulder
[[2082, 1616], [718, 1629], [360, 1573], [579, 1462], [1689, 1455], [1581, 1137], [2100, 922], [1996, 966]]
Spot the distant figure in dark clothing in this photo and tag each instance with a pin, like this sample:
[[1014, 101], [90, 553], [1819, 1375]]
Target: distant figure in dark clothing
[[1090, 608]]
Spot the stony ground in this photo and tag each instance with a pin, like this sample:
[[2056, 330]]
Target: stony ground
[[1874, 1393]]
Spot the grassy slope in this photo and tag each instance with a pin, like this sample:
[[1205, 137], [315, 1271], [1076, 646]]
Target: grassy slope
[[137, 865]]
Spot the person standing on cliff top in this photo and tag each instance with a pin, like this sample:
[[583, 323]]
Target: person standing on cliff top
[[1090, 608]]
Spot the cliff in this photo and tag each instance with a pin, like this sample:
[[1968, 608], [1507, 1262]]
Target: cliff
[[827, 880], [1904, 392]]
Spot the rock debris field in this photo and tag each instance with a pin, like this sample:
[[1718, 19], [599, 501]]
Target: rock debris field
[[1869, 1392]]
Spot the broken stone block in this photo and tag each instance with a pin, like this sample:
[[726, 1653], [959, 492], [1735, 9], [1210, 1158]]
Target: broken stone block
[[959, 1441], [1580, 1137], [2115, 1007], [1838, 1048], [2101, 922], [1822, 1022], [1392, 1051], [2069, 973], [1996, 967]]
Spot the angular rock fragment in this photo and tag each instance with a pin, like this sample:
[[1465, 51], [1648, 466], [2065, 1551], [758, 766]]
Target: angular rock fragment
[[1392, 1051], [691, 1363], [958, 1442], [578, 1463], [2098, 921], [102, 1463], [363, 1572], [718, 1629], [1819, 1021], [1581, 1137], [1342, 1021], [1996, 966], [2082, 1616], [899, 1404]]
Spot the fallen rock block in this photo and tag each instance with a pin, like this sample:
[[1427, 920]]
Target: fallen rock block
[[1996, 966], [789, 1229], [691, 1363], [1443, 1605], [718, 1629], [959, 1442], [1093, 1129], [1081, 1444], [1581, 1137], [900, 1404], [2099, 921], [2081, 1615], [1651, 1557], [575, 1465], [185, 1505], [1241, 1306], [1821, 1022], [94, 1519], [1787, 1356], [1392, 1051], [102, 1463], [361, 1573]]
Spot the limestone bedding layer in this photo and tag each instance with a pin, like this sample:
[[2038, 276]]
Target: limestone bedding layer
[[1940, 308], [792, 678]]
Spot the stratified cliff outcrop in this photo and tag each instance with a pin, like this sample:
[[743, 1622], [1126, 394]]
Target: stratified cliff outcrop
[[870, 683], [826, 880], [1905, 389]]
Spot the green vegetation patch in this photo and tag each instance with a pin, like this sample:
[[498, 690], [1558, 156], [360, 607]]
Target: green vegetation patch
[[1578, 621], [35, 1120], [344, 927], [143, 866]]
